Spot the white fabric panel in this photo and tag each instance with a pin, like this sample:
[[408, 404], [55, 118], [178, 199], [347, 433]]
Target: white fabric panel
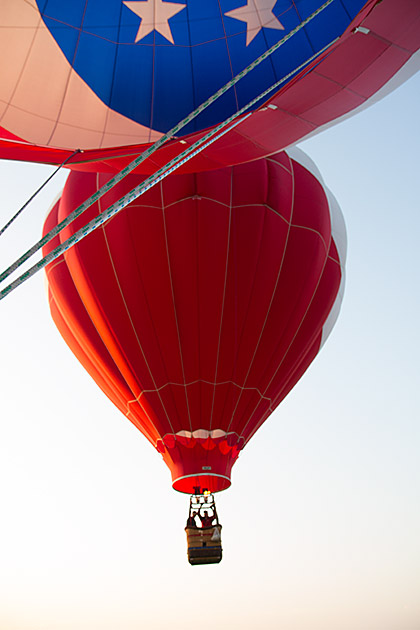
[[51, 104]]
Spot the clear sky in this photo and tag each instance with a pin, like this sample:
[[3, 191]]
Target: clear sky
[[321, 524]]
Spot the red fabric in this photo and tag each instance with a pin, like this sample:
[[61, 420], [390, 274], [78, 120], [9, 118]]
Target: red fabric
[[198, 307], [351, 72]]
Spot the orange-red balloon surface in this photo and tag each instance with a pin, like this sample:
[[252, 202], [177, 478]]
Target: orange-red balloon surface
[[199, 306]]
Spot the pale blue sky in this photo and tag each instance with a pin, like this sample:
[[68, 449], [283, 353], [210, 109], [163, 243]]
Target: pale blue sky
[[321, 524]]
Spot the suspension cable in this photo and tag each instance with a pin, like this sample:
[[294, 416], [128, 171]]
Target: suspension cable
[[32, 197], [148, 152]]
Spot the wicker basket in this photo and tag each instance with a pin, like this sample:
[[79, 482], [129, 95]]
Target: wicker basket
[[204, 544]]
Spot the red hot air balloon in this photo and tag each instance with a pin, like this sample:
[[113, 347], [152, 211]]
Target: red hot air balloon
[[198, 307]]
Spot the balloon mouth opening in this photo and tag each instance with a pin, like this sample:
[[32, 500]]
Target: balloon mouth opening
[[199, 482]]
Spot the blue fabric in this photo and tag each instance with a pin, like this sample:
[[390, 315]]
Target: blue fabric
[[156, 82]]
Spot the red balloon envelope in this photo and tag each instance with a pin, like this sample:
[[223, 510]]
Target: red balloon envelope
[[199, 306]]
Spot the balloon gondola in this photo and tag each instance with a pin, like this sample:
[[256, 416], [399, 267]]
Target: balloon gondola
[[204, 542]]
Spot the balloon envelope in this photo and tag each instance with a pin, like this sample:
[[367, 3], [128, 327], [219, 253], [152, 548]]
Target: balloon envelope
[[199, 306], [104, 75]]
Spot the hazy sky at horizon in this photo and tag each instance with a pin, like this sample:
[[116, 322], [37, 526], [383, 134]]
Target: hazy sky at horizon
[[321, 523]]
